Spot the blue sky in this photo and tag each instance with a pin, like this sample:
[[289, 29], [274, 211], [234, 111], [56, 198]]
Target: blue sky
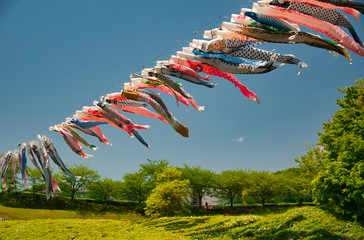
[[57, 56]]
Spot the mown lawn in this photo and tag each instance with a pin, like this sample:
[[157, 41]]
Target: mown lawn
[[296, 223]]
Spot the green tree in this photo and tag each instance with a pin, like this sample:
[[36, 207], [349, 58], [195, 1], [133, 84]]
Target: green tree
[[340, 184], [70, 186], [168, 198], [105, 189], [264, 185], [135, 186], [150, 171], [139, 185], [313, 161], [230, 183], [295, 182], [202, 181]]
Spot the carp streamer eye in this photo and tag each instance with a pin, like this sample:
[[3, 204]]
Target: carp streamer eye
[[216, 44], [198, 68], [281, 1]]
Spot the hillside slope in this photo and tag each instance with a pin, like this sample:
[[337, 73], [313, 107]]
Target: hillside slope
[[297, 223]]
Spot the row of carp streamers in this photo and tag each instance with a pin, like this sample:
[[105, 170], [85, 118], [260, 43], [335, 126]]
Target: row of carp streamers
[[230, 50], [37, 153]]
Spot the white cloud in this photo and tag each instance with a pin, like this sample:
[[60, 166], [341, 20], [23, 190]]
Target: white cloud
[[240, 139]]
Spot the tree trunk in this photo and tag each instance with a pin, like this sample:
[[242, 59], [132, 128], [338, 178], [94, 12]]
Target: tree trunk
[[200, 200], [232, 199], [263, 201], [73, 193]]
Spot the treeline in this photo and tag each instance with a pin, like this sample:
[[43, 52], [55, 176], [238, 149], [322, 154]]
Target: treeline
[[230, 186]]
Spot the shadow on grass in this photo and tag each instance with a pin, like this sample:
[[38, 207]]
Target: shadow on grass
[[292, 221], [330, 210], [216, 229], [284, 231], [255, 230], [174, 224], [316, 234], [256, 209], [294, 234], [199, 227]]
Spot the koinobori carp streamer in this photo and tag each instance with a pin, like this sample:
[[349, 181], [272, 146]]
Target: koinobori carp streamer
[[226, 51]]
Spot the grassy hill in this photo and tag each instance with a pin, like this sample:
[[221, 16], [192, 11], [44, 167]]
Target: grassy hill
[[296, 223]]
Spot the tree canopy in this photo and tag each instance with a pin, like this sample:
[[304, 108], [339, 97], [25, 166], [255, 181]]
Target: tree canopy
[[340, 184], [264, 185], [70, 185], [105, 189], [230, 184], [169, 195], [202, 181]]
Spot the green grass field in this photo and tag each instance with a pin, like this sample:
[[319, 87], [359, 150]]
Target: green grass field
[[296, 223]]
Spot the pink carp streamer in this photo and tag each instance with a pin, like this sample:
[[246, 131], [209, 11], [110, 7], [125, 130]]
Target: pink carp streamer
[[175, 124], [146, 82], [91, 114], [187, 71], [71, 141], [101, 135], [140, 83], [205, 68], [113, 99], [330, 30], [183, 72], [15, 160]]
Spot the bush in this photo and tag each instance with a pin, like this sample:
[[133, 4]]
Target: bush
[[168, 197]]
